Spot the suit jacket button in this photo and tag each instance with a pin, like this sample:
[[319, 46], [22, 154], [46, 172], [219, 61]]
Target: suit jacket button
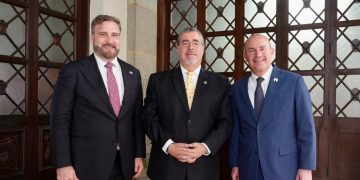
[[259, 132], [114, 143], [189, 121]]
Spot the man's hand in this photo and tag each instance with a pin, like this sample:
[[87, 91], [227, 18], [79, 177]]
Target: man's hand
[[66, 173], [196, 150], [235, 173], [303, 174], [180, 151], [139, 167]]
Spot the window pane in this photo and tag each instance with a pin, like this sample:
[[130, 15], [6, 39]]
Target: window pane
[[46, 81], [347, 96], [220, 53], [260, 13], [348, 47], [306, 50], [12, 30], [348, 10], [183, 15], [316, 87], [12, 102], [220, 15], [56, 39], [306, 12]]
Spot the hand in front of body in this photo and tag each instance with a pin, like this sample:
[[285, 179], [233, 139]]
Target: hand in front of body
[[304, 174], [66, 173]]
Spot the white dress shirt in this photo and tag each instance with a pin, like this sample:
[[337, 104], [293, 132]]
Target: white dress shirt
[[117, 73], [264, 85]]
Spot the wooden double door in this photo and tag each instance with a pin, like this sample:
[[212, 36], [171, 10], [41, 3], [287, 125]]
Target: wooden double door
[[37, 37]]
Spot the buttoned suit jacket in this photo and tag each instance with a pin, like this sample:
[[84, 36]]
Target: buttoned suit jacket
[[282, 140], [84, 127], [167, 116]]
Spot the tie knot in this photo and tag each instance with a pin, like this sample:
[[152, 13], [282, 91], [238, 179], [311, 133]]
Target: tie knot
[[190, 74], [109, 65], [259, 80]]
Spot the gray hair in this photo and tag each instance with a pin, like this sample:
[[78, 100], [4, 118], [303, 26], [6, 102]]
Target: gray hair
[[188, 30]]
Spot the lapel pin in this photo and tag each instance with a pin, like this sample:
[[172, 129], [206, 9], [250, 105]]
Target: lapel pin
[[276, 79], [130, 72], [205, 82]]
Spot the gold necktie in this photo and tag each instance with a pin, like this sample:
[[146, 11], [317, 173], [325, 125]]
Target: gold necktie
[[190, 88]]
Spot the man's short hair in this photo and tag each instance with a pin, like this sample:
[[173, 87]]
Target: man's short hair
[[102, 18]]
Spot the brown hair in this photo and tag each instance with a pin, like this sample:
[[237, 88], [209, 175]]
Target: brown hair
[[102, 18]]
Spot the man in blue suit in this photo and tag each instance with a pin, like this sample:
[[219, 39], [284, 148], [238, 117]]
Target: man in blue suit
[[274, 133]]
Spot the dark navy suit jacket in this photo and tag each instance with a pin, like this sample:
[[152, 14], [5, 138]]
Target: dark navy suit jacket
[[283, 139], [84, 127]]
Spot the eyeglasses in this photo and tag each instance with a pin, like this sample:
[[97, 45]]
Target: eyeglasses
[[194, 43]]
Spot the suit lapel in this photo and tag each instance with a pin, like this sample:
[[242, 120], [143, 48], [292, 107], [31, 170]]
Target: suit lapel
[[91, 72], [127, 74], [178, 83], [274, 83], [245, 95], [200, 91]]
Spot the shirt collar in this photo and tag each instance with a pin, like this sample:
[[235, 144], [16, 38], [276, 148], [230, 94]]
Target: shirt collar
[[266, 76], [196, 71], [102, 63]]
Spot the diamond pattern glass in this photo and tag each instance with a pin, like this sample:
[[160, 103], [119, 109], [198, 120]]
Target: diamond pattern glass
[[13, 101], [348, 10], [316, 87], [306, 50], [220, 15], [347, 96], [306, 12], [174, 58], [56, 39], [220, 54], [272, 37], [62, 6], [183, 15], [12, 30], [46, 81], [348, 47], [260, 13]]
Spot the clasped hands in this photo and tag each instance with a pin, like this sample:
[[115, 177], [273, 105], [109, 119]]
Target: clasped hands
[[188, 153]]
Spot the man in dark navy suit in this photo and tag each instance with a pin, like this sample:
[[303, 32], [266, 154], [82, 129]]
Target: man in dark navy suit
[[96, 128]]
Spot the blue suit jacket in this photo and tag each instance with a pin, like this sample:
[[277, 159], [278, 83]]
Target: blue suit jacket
[[283, 138]]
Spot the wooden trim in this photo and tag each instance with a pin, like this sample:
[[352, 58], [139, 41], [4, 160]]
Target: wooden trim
[[163, 29], [10, 59], [82, 26], [16, 3], [57, 14], [31, 137]]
